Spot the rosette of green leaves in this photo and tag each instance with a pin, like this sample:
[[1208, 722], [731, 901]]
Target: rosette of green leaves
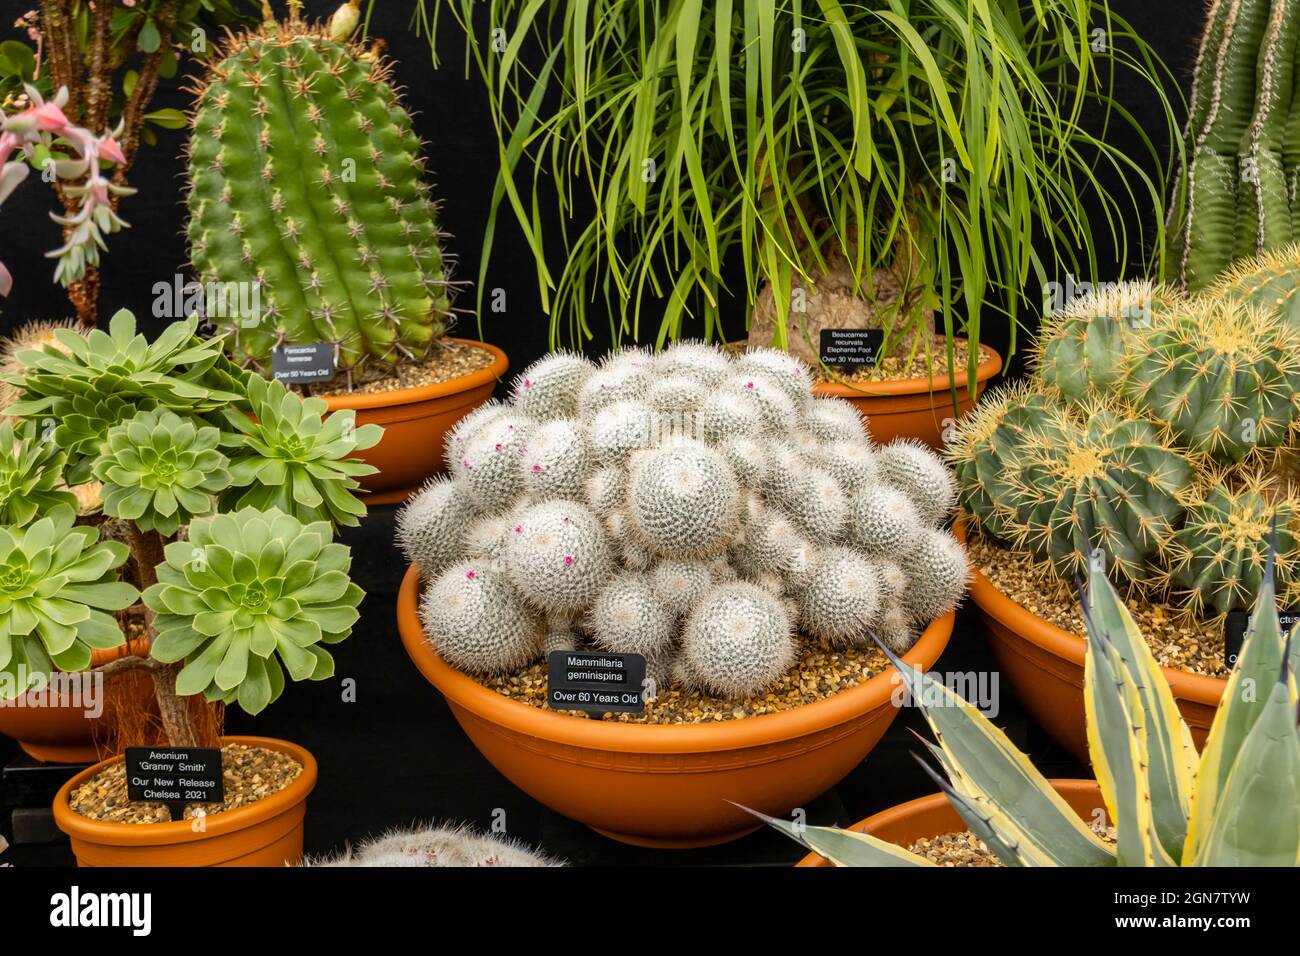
[[31, 466], [86, 384], [57, 581], [161, 471], [250, 595], [289, 456]]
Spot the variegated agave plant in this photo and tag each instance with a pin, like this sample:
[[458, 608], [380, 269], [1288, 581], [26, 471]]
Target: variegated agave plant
[[1237, 803]]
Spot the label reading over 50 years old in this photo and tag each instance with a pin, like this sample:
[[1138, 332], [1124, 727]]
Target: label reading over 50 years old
[[174, 776], [585, 680], [303, 363], [1234, 631], [851, 348]]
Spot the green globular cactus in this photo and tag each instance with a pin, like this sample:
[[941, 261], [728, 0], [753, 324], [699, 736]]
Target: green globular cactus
[[1082, 349], [306, 185], [987, 449], [161, 471], [1218, 556], [1108, 483], [1224, 376], [1270, 281]]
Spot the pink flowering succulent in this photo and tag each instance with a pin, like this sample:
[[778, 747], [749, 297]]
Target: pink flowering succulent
[[41, 132]]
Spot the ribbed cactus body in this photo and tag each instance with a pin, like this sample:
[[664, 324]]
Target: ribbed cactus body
[[305, 178], [1270, 282], [1225, 377]]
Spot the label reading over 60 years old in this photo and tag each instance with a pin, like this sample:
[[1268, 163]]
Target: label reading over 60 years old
[[585, 680]]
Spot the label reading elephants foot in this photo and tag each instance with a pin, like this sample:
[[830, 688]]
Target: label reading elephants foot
[[303, 363], [584, 680], [174, 776], [1234, 631], [851, 348]]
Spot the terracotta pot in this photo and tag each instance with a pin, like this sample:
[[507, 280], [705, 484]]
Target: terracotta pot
[[934, 816], [415, 421], [64, 733], [663, 785], [915, 407], [1044, 665], [265, 833]]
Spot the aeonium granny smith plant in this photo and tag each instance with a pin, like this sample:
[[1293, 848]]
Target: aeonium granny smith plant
[[227, 489]]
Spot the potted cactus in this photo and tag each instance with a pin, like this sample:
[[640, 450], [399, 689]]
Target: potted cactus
[[217, 531], [1162, 425], [307, 195], [1233, 804], [702, 509]]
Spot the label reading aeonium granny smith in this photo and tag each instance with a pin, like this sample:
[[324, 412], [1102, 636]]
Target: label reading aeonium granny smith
[[850, 348], [174, 776], [1234, 631], [303, 363], [585, 680]]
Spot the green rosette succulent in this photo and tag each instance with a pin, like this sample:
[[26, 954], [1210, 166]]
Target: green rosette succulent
[[161, 471], [57, 581], [30, 466], [289, 456], [250, 595]]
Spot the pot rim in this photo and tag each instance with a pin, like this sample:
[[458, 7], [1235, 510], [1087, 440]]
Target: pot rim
[[181, 831], [934, 801], [990, 364], [1200, 688], [424, 393], [464, 691]]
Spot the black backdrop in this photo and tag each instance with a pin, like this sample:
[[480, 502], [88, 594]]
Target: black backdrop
[[395, 754]]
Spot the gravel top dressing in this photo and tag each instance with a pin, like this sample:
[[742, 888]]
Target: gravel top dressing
[[821, 672], [451, 361], [1174, 639], [964, 848], [896, 368], [249, 774]]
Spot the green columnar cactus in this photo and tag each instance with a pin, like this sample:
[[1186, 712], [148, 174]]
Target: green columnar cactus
[[247, 592], [161, 471], [305, 181], [1218, 556], [1109, 482], [1241, 85], [1224, 376]]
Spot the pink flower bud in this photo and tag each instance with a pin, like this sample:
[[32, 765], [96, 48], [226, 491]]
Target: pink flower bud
[[111, 151]]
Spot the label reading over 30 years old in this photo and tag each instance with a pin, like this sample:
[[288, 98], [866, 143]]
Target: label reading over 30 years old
[[584, 680], [851, 348], [1234, 631], [303, 363], [174, 776]]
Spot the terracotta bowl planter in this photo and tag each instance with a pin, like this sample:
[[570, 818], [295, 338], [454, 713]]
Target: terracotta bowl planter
[[266, 833], [415, 421], [658, 785], [1045, 666], [932, 816], [915, 407], [64, 733]]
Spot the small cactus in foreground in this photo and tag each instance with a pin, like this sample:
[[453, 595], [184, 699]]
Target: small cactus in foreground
[[704, 509]]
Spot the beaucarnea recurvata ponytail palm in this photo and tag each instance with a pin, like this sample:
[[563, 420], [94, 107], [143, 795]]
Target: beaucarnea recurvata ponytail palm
[[1237, 803]]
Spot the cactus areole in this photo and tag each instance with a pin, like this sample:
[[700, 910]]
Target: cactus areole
[[306, 192]]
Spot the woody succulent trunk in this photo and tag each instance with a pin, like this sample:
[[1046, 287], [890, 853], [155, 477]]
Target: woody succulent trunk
[[306, 184], [220, 494]]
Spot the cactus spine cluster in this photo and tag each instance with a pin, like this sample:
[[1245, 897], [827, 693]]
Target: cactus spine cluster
[[305, 184], [1244, 138], [703, 510]]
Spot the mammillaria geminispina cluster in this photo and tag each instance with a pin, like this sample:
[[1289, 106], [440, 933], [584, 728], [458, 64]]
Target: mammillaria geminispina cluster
[[696, 507]]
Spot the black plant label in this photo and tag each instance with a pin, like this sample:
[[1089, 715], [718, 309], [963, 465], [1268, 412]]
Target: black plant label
[[851, 348], [1234, 631], [585, 680], [302, 364], [174, 776]]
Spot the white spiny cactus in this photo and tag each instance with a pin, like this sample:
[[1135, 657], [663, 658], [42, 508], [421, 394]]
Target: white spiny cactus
[[821, 508], [921, 475], [558, 556], [853, 463], [431, 526], [628, 617], [834, 419], [773, 404], [680, 583], [939, 573], [556, 458], [895, 628], [695, 360], [884, 522], [782, 369], [842, 599], [738, 639], [549, 388], [488, 464], [605, 488], [478, 622], [684, 501], [621, 428]]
